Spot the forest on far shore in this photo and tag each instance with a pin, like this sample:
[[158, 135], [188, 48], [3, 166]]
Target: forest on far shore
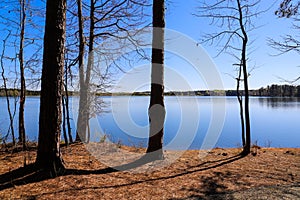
[[271, 91]]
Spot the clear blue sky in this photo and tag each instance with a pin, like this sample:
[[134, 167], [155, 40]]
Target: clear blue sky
[[268, 68]]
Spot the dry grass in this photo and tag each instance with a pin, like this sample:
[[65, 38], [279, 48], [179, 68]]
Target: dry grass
[[219, 174]]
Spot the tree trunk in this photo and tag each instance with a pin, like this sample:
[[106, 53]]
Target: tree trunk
[[22, 77], [156, 107], [66, 113], [84, 101], [82, 118], [67, 108], [240, 100], [89, 68], [247, 145], [48, 154], [64, 121], [10, 114]]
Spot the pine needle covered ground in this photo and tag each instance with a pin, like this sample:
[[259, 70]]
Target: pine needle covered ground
[[267, 173]]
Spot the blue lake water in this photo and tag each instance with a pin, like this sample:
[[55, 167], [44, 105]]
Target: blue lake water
[[191, 122]]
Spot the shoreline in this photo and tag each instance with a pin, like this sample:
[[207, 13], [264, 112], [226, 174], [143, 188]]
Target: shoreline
[[273, 90], [33, 145]]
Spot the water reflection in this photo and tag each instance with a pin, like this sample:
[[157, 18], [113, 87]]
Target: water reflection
[[274, 120], [279, 102]]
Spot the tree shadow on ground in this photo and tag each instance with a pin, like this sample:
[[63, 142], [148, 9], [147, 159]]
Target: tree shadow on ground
[[217, 191], [17, 148], [30, 174], [211, 188]]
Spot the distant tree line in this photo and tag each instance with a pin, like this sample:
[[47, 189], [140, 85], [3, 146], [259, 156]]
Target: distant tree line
[[272, 91], [280, 91], [16, 92], [269, 91]]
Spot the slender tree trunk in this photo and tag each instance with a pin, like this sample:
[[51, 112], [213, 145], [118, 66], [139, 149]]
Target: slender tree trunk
[[68, 120], [89, 69], [156, 107], [48, 154], [81, 133], [88, 132], [247, 114], [67, 109], [22, 77], [81, 121], [84, 102], [247, 145], [64, 120], [10, 114], [240, 100]]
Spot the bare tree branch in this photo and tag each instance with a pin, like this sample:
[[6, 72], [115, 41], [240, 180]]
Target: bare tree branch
[[234, 19]]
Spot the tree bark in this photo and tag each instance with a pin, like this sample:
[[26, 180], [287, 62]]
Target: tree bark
[[89, 68], [22, 77], [156, 107], [82, 113], [48, 154], [64, 121], [247, 145], [240, 100], [66, 112], [10, 114], [67, 108]]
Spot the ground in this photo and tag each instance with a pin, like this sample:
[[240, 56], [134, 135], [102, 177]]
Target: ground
[[267, 173]]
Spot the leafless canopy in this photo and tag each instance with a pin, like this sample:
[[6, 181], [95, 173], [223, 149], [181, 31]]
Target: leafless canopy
[[288, 43], [114, 20], [233, 20], [287, 9], [225, 16]]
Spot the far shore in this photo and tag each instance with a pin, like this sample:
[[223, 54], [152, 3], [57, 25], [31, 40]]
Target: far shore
[[269, 91]]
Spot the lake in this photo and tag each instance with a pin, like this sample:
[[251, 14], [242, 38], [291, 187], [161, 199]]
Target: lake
[[191, 122]]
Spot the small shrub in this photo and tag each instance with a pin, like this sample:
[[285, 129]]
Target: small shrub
[[103, 139], [268, 143], [119, 144]]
